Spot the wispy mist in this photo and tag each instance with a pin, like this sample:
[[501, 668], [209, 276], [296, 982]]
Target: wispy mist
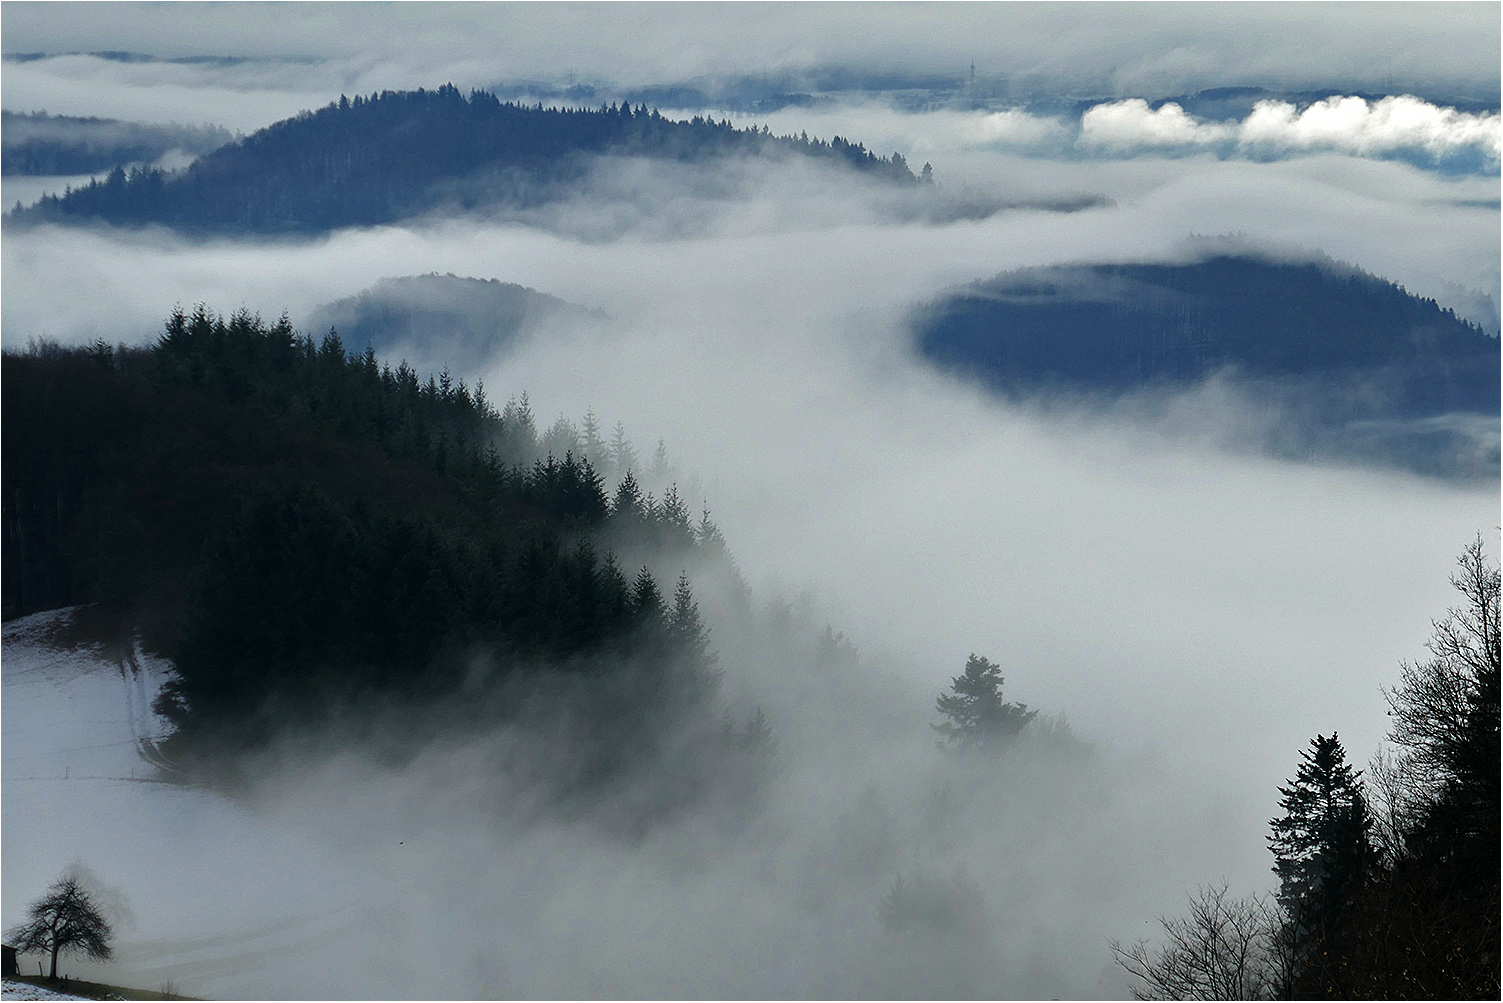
[[1186, 611]]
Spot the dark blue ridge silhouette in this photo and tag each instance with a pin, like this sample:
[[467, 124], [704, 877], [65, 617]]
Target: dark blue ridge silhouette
[[1342, 349], [1116, 327], [377, 159]]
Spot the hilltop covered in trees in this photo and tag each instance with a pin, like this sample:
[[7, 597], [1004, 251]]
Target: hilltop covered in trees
[[377, 159], [471, 319], [299, 527], [1122, 325], [1348, 356]]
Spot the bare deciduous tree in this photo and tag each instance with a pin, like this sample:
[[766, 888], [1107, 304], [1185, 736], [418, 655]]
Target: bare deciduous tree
[[1444, 771], [64, 920], [1227, 948]]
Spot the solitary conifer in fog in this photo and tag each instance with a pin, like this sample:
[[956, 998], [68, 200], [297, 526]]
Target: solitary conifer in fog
[[685, 626], [660, 470], [673, 518], [646, 600], [707, 534], [628, 506], [592, 445], [1321, 841], [1322, 849], [975, 716]]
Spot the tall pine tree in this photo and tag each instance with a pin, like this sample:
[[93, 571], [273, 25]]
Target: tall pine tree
[[1322, 849]]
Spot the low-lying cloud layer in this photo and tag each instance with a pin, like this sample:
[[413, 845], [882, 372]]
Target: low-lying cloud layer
[[248, 95], [1198, 613], [1344, 124], [1101, 48], [1397, 126], [647, 220]]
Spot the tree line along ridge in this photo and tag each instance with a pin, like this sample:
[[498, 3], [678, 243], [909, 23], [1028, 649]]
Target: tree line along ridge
[[372, 160]]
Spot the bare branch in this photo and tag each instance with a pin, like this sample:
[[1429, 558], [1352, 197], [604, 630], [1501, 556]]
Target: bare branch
[[1226, 949]]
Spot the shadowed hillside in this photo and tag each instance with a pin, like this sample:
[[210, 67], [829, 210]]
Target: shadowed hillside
[[300, 528], [1362, 367], [465, 320], [396, 154]]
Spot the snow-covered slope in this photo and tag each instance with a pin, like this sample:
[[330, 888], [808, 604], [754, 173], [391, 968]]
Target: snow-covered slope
[[201, 893], [26, 991]]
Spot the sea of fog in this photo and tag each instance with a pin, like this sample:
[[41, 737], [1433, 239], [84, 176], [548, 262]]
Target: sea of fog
[[1195, 610]]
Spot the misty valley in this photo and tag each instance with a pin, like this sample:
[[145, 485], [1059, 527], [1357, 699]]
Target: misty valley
[[636, 540]]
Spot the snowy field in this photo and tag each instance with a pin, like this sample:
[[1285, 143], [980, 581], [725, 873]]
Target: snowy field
[[26, 991], [170, 859]]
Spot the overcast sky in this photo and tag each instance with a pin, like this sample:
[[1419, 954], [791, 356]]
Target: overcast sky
[[1136, 48]]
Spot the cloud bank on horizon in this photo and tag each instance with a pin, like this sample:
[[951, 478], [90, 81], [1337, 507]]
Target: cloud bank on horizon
[[1112, 49], [1394, 127], [1348, 124], [240, 66], [1428, 168]]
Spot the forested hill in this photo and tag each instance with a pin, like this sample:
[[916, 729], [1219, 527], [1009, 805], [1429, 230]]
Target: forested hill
[[457, 321], [372, 160], [1119, 325], [298, 527], [1338, 345]]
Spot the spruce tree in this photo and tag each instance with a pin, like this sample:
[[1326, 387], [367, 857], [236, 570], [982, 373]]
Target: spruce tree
[[623, 456], [646, 600], [660, 471], [673, 519], [628, 506], [518, 430], [1322, 848], [561, 438], [691, 677], [707, 535], [592, 445], [684, 626], [975, 715]]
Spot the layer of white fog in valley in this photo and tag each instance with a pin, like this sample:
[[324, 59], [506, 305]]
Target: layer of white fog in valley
[[1187, 611]]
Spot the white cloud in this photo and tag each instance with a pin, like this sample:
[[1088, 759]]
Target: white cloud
[[1132, 124], [1348, 124], [243, 97], [1353, 125], [1014, 127]]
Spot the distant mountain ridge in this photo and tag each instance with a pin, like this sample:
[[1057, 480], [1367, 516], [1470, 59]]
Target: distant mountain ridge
[[42, 144], [368, 161], [1342, 348]]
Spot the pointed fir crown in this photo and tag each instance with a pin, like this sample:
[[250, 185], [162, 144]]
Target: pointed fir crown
[[645, 597], [683, 619], [628, 502], [1323, 807]]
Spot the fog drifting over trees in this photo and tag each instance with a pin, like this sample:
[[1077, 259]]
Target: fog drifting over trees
[[1183, 610]]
